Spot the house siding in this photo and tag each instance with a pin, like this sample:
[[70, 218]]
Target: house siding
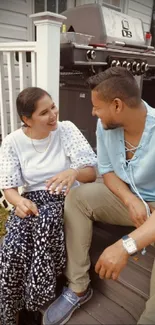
[[141, 9], [15, 24]]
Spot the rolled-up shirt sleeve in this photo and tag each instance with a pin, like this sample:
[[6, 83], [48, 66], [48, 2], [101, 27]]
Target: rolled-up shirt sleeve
[[77, 147], [10, 171], [103, 161]]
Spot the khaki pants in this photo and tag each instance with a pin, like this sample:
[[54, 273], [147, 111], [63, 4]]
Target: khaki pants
[[83, 205]]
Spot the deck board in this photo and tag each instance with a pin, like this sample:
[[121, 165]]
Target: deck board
[[106, 311], [116, 292], [81, 316]]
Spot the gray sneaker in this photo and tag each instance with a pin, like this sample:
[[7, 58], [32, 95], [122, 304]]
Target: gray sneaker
[[61, 310]]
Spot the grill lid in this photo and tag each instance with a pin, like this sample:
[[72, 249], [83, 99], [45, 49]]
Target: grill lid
[[105, 24]]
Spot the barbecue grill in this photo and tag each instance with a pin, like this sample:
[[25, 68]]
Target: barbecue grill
[[114, 39]]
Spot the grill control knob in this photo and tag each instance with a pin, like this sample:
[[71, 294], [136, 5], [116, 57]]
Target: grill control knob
[[124, 64], [91, 55], [113, 63], [134, 64], [146, 67], [138, 66], [118, 63], [143, 67], [128, 66]]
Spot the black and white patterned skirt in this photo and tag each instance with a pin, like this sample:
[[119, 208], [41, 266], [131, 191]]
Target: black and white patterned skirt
[[32, 257]]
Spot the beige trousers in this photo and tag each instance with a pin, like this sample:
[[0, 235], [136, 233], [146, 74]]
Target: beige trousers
[[83, 205]]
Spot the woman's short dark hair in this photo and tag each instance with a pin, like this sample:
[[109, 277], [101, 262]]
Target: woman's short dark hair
[[116, 82], [27, 99]]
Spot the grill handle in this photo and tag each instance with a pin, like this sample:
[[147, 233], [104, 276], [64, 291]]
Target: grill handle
[[142, 47]]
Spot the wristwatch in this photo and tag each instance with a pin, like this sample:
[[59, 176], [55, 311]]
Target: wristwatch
[[129, 245]]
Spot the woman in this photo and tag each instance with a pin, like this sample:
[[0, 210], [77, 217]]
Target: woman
[[33, 252]]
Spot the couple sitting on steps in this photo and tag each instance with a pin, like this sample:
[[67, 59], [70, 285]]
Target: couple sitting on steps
[[49, 159]]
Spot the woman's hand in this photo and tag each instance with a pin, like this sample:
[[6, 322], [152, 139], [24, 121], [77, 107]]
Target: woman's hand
[[61, 180], [25, 207]]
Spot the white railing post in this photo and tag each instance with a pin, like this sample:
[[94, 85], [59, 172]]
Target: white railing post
[[48, 51]]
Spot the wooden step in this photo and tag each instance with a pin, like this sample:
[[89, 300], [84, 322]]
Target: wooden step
[[81, 316], [122, 295], [101, 310]]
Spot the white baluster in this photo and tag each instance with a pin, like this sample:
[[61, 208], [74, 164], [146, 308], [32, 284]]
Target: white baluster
[[22, 70], [12, 90], [33, 69], [3, 108]]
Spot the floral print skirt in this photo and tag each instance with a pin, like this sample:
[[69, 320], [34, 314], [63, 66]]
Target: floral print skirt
[[32, 257]]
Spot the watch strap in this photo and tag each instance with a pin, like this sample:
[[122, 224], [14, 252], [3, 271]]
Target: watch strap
[[125, 237]]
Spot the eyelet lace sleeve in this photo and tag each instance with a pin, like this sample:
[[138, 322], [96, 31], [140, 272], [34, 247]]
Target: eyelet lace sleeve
[[76, 146], [10, 170]]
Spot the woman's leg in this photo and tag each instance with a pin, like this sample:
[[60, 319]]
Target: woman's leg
[[48, 256], [33, 255], [12, 271]]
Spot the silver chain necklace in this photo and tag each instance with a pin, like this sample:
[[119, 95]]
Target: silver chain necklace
[[34, 145]]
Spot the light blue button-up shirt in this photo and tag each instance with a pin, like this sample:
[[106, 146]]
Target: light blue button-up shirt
[[139, 172]]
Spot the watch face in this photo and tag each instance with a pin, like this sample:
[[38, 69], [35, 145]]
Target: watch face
[[130, 246]]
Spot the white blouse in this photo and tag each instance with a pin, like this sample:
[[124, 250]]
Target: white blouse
[[29, 163]]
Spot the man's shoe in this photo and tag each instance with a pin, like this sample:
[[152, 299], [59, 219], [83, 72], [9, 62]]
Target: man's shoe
[[60, 311]]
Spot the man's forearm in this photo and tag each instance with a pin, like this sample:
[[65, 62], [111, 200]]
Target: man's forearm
[[118, 187], [145, 234]]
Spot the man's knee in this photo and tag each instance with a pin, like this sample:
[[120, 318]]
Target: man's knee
[[71, 196], [72, 202], [80, 195]]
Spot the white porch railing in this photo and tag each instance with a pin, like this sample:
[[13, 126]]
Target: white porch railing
[[13, 78], [42, 68]]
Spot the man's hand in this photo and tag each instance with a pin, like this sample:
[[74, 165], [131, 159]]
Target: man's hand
[[136, 207], [61, 180], [25, 207], [112, 261], [137, 211]]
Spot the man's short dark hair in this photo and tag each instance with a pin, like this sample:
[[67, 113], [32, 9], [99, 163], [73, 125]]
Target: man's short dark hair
[[116, 82]]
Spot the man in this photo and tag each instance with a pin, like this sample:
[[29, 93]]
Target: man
[[126, 160]]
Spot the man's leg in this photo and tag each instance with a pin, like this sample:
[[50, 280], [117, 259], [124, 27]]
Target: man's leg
[[148, 316], [84, 204]]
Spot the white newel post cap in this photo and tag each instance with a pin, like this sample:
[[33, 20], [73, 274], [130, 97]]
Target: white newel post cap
[[47, 15]]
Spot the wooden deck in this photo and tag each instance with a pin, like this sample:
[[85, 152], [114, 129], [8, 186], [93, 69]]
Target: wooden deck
[[113, 302]]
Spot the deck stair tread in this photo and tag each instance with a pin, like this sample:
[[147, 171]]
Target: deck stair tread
[[102, 311]]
